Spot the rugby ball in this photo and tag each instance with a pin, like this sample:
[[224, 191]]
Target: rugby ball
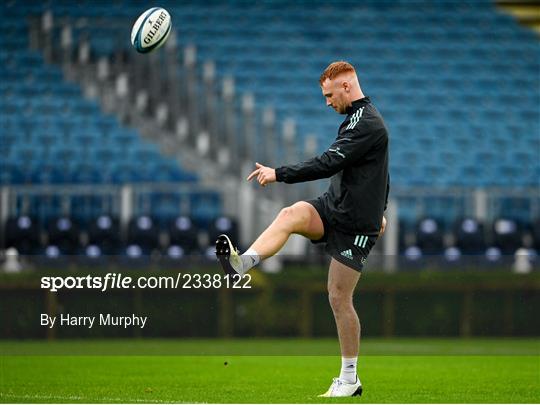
[[151, 29]]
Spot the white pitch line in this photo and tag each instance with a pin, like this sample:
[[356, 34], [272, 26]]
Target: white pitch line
[[105, 399]]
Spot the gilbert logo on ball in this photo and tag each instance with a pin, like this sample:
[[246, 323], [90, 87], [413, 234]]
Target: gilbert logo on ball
[[151, 29]]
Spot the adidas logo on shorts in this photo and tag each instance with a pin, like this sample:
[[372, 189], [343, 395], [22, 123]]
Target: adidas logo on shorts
[[347, 253]]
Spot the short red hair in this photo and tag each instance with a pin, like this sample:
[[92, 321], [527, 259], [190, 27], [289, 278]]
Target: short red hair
[[335, 69]]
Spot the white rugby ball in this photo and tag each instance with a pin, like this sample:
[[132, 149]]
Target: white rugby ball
[[151, 29]]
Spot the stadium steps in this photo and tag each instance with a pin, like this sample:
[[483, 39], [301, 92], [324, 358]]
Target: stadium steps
[[51, 134]]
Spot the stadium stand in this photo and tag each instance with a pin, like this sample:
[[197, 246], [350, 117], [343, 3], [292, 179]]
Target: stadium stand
[[64, 234], [470, 237], [457, 83], [182, 234], [22, 233], [52, 134], [429, 236], [442, 73], [104, 234]]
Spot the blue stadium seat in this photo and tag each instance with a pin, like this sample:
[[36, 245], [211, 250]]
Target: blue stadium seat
[[453, 63]]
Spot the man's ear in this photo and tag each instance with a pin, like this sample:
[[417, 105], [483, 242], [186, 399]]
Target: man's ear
[[345, 85]]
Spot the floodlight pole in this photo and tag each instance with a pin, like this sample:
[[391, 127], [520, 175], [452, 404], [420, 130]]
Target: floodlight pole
[[190, 58], [154, 83], [249, 133], [172, 88], [391, 237], [66, 43], [229, 124], [310, 150], [268, 154], [47, 25], [210, 112], [291, 154], [4, 213]]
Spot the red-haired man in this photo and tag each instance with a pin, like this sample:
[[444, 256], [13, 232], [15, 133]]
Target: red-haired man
[[348, 218]]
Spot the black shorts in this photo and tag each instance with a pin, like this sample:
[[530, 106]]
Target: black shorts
[[349, 249]]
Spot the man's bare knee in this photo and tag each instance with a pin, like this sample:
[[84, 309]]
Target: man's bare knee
[[295, 218], [339, 299]]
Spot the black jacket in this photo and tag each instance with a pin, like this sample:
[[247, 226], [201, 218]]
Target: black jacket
[[358, 164]]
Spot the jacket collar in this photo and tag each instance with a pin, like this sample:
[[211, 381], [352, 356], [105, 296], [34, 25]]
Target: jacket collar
[[356, 104]]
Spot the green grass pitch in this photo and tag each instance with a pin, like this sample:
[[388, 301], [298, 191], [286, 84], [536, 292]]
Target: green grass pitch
[[267, 371]]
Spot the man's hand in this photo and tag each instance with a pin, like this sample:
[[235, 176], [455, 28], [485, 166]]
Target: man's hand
[[383, 226], [265, 175]]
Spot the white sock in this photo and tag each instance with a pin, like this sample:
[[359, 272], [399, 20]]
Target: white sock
[[348, 369], [250, 259]]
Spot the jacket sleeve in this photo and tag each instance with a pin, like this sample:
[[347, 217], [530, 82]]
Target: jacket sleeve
[[349, 148]]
